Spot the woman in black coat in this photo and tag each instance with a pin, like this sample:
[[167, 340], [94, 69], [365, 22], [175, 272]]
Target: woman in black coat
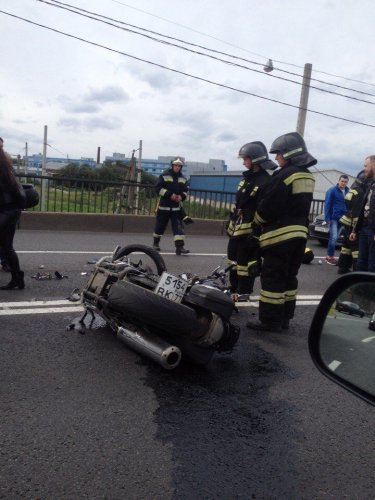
[[11, 199]]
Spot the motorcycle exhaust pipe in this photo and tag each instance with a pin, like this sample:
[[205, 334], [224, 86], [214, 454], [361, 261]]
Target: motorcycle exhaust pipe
[[167, 355]]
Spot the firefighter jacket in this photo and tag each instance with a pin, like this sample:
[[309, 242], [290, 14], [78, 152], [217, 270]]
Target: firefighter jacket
[[170, 182], [354, 203], [247, 197], [284, 208], [366, 215]]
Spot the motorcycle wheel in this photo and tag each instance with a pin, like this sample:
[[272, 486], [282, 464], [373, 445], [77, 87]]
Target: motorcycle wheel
[[142, 257]]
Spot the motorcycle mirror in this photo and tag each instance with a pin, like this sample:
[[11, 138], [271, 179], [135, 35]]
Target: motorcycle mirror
[[115, 251], [341, 339], [215, 271]]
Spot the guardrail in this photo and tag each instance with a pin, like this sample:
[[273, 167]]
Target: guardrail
[[70, 195]]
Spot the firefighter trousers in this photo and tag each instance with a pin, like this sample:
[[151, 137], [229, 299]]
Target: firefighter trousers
[[279, 282], [348, 253], [162, 219], [243, 254]]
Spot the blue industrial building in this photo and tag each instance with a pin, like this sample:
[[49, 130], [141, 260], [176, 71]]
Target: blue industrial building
[[158, 166], [34, 163], [227, 183]]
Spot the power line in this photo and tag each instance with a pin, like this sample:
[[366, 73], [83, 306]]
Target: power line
[[49, 145], [64, 6], [183, 73], [237, 46]]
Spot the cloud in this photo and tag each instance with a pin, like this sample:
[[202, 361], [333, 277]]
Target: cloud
[[106, 123], [110, 93], [226, 137], [69, 123], [90, 124], [93, 101], [82, 108]]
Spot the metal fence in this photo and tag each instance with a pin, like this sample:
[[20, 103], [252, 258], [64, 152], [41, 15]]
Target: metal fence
[[63, 194]]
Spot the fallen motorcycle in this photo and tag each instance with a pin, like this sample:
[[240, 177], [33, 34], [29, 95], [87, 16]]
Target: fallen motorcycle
[[159, 315]]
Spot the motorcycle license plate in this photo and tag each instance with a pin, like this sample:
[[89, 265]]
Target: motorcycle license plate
[[322, 229], [170, 287]]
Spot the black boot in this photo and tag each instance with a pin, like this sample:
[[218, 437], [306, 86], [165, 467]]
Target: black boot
[[285, 324], [17, 281], [181, 251], [156, 246], [263, 327], [343, 270]]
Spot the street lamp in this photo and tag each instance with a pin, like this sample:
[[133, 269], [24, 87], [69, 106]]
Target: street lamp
[[302, 110]]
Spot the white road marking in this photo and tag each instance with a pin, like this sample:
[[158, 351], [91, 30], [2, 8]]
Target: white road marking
[[64, 306], [91, 252], [335, 364], [44, 310], [110, 252], [368, 339], [73, 252], [299, 303], [31, 303]]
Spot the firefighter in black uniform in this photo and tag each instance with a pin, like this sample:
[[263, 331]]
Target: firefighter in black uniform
[[242, 252], [281, 221], [353, 200], [172, 188]]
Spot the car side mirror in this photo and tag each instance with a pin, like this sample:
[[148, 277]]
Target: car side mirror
[[342, 334]]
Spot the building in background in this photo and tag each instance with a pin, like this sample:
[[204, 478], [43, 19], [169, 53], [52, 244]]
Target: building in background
[[326, 178], [34, 163], [228, 182], [157, 166]]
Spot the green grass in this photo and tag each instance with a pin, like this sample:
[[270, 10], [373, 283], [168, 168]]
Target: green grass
[[107, 201]]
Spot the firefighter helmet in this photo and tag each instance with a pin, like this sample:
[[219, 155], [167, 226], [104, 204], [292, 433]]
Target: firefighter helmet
[[293, 149], [177, 161], [360, 180], [257, 152]]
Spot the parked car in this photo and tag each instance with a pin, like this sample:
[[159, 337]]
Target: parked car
[[371, 324], [350, 308], [319, 230], [345, 353]]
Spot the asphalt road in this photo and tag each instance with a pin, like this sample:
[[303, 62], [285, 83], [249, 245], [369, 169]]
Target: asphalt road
[[85, 417]]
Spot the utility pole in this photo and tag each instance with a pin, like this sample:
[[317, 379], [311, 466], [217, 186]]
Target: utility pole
[[26, 158], [44, 170], [98, 157], [139, 177], [132, 179], [301, 120]]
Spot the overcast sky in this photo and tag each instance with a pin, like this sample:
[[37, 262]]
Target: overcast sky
[[89, 96]]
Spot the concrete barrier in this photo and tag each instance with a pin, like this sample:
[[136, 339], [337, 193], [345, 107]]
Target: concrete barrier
[[111, 223]]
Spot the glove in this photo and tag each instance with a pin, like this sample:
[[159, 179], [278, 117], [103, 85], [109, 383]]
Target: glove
[[256, 230], [254, 268]]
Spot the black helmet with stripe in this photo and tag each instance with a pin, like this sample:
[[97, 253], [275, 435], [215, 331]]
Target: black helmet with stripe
[[293, 149], [257, 152]]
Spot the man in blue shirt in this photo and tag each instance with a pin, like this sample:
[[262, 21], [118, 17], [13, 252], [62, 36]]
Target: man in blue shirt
[[334, 209]]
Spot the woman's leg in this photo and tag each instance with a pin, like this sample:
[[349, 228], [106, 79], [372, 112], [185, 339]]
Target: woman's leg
[[8, 224]]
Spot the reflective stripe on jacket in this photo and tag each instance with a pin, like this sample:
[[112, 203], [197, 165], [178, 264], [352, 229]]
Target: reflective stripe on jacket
[[284, 209], [170, 182], [248, 193]]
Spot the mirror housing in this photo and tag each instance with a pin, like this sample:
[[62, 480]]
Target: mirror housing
[[318, 336]]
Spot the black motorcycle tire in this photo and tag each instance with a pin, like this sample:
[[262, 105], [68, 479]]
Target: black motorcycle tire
[[144, 306], [153, 254]]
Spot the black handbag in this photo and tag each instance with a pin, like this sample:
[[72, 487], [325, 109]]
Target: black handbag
[[31, 196]]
